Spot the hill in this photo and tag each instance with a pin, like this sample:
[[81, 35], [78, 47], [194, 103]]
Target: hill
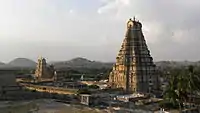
[[173, 64], [1, 63], [82, 63], [22, 63], [85, 63]]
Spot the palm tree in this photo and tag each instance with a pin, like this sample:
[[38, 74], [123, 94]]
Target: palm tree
[[193, 82], [176, 92], [181, 86], [170, 94], [181, 83]]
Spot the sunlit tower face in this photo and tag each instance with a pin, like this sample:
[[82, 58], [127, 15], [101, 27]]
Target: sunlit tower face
[[130, 23]]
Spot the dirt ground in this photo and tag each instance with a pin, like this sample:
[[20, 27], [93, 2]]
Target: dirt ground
[[44, 106]]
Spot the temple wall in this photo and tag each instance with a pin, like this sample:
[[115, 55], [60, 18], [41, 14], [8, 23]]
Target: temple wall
[[7, 78]]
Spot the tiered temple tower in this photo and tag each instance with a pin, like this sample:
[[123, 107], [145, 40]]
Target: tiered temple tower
[[134, 70], [43, 71]]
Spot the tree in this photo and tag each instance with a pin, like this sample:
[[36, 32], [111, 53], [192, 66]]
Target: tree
[[93, 86], [182, 83], [83, 91], [170, 95], [194, 82]]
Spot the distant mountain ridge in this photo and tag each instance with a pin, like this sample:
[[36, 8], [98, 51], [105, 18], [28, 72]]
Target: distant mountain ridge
[[80, 62], [22, 62], [85, 63], [176, 63], [1, 63]]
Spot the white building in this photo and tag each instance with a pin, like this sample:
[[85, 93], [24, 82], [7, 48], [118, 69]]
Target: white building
[[126, 98]]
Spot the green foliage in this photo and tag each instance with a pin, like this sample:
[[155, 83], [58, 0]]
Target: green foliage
[[22, 71], [95, 74], [171, 94], [83, 91], [93, 86], [166, 104], [182, 82]]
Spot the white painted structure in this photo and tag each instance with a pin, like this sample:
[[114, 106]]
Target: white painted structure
[[127, 97]]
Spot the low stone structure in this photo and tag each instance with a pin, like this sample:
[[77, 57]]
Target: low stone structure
[[85, 99], [9, 88], [7, 78]]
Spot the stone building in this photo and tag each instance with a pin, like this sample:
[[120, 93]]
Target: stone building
[[43, 70], [8, 85], [134, 70], [7, 78]]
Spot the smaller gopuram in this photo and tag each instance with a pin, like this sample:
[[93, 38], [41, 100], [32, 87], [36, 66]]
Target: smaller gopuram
[[43, 70]]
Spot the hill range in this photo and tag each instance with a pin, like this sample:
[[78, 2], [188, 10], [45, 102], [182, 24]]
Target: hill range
[[85, 63]]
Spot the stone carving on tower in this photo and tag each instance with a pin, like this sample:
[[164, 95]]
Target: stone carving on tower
[[134, 70], [44, 71]]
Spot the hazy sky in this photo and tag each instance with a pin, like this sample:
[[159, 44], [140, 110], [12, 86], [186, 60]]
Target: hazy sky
[[64, 29]]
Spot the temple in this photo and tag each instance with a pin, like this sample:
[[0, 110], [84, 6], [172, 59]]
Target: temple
[[134, 70], [43, 71]]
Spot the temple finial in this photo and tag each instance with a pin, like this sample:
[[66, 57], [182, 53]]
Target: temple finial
[[40, 57]]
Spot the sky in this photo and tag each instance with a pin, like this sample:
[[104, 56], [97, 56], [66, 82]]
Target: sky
[[64, 29]]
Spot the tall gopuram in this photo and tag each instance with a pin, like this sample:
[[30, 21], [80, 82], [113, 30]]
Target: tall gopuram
[[134, 70], [43, 71]]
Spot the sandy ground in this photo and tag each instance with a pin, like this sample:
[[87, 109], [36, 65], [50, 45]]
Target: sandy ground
[[56, 107], [51, 106], [43, 106]]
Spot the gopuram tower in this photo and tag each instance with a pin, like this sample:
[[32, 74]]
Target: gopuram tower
[[134, 70], [43, 71]]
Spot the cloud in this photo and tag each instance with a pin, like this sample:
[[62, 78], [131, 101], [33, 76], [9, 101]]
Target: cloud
[[71, 11], [169, 26], [113, 6], [59, 31]]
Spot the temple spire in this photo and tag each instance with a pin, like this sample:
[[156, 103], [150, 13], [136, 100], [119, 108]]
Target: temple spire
[[43, 71], [134, 18], [134, 70]]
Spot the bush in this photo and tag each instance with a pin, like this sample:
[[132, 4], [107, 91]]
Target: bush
[[93, 86], [168, 105], [83, 91]]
